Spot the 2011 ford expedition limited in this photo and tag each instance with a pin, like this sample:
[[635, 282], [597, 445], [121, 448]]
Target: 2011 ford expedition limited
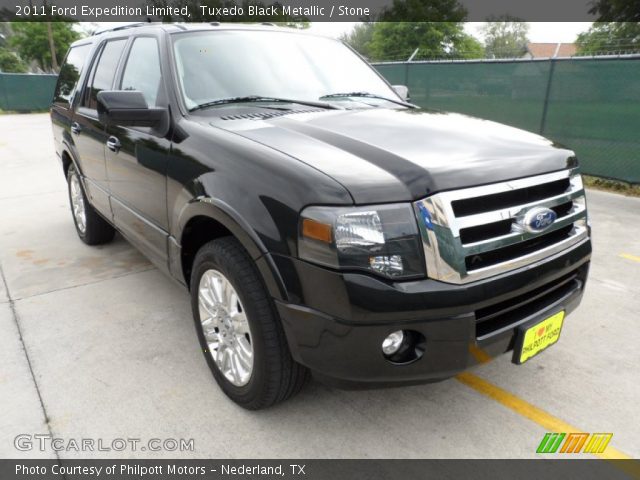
[[320, 221]]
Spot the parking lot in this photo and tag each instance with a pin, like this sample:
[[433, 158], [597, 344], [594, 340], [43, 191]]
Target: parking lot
[[96, 343]]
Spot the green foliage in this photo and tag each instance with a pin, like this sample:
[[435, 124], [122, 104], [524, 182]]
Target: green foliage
[[31, 41], [610, 37], [399, 31], [616, 10], [398, 40], [505, 37], [419, 10], [360, 38], [610, 185], [10, 62]]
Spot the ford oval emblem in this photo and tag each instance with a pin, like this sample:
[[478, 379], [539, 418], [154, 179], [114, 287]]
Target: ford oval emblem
[[538, 219]]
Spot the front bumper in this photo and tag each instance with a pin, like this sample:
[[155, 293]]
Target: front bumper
[[335, 322]]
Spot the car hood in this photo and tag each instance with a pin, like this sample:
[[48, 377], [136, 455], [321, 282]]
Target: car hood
[[392, 155]]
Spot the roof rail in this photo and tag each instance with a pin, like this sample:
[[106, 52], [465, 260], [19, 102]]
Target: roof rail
[[121, 27]]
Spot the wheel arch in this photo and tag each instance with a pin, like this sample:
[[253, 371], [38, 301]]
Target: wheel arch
[[67, 158], [205, 219]]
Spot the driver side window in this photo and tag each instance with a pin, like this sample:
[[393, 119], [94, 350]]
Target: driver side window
[[142, 70], [103, 72]]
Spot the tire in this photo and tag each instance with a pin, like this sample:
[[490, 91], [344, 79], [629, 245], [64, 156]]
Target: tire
[[91, 227], [274, 375]]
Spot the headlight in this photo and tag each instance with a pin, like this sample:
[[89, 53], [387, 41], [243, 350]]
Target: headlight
[[381, 239]]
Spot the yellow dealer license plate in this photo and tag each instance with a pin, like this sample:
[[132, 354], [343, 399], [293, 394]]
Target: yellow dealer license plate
[[539, 337]]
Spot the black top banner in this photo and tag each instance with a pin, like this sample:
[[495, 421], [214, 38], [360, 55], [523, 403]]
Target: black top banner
[[319, 10]]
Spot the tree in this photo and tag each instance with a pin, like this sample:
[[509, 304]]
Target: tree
[[31, 41], [401, 29], [616, 10], [360, 38], [505, 37], [421, 10], [398, 40], [609, 38], [10, 62]]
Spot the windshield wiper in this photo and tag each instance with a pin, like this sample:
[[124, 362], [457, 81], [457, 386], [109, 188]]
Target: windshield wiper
[[258, 98], [368, 95]]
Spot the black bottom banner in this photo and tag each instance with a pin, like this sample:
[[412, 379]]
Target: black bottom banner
[[315, 469]]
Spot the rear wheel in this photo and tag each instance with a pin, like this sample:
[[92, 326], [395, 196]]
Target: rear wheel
[[239, 330], [91, 227]]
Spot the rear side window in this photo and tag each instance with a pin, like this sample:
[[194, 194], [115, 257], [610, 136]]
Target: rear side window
[[103, 72], [70, 74], [142, 72]]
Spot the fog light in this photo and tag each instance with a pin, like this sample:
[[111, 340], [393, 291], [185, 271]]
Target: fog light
[[387, 265], [393, 342]]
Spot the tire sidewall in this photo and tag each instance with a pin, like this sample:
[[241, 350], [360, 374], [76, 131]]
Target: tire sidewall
[[70, 174], [212, 260]]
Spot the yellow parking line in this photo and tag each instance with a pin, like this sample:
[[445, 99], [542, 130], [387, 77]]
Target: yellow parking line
[[539, 416], [628, 256]]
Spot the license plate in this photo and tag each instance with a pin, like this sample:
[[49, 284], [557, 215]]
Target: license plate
[[538, 337]]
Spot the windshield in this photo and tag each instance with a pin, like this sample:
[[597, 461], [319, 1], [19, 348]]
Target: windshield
[[225, 64]]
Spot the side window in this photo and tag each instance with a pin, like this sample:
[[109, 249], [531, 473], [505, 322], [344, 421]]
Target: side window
[[70, 74], [103, 72], [142, 71]]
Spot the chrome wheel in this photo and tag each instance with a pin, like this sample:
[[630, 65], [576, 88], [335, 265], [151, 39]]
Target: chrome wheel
[[77, 203], [225, 327]]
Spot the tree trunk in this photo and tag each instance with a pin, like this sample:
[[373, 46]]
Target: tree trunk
[[52, 47]]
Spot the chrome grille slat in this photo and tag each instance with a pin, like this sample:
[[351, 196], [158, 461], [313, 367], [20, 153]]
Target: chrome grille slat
[[516, 237], [578, 235], [506, 213], [485, 190], [446, 255]]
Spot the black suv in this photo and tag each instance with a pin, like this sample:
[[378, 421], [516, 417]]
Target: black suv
[[320, 221]]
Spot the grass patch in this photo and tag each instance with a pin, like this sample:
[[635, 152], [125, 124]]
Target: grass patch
[[615, 186], [14, 112]]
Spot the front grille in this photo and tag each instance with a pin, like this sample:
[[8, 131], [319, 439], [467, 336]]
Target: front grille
[[493, 257], [521, 196], [475, 233], [503, 316]]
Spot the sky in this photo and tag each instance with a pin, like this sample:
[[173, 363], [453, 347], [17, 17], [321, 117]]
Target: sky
[[538, 31]]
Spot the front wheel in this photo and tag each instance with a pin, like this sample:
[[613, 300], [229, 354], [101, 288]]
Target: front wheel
[[239, 330]]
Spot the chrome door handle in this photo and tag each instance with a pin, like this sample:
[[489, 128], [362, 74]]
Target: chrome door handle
[[76, 128], [113, 144]]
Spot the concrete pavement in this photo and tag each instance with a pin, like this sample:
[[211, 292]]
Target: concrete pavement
[[96, 343]]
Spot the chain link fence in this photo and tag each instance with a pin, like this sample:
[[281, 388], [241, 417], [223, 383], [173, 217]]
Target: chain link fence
[[589, 104]]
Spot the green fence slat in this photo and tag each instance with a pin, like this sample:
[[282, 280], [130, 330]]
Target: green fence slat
[[593, 104], [26, 92]]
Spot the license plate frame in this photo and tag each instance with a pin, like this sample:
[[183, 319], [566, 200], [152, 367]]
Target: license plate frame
[[527, 334]]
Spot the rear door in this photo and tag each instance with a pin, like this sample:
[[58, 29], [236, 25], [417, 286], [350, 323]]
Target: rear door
[[89, 134], [66, 87], [136, 157]]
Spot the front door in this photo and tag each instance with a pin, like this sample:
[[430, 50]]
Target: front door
[[136, 158]]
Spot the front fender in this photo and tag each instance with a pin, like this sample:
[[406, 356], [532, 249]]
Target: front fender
[[227, 216]]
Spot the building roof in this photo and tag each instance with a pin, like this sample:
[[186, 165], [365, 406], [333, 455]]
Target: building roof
[[547, 50]]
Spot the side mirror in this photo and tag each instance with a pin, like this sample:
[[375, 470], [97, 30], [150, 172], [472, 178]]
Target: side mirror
[[129, 108], [403, 91]]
